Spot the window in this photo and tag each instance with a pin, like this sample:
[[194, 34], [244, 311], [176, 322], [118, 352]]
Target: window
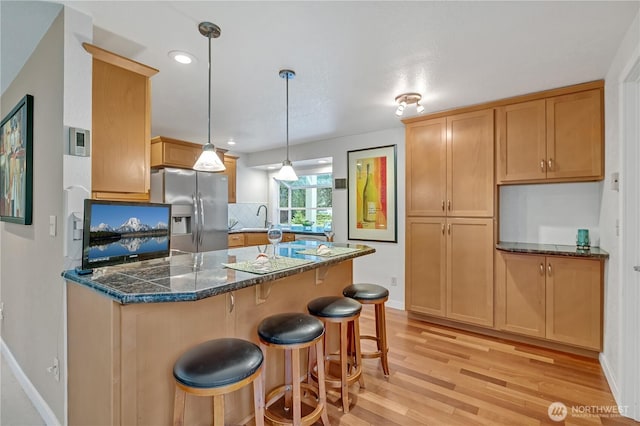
[[306, 201]]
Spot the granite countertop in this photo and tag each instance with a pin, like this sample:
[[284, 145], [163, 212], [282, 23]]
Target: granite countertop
[[552, 249], [194, 276]]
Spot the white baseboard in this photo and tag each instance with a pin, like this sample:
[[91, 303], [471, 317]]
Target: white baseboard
[[608, 374], [32, 393]]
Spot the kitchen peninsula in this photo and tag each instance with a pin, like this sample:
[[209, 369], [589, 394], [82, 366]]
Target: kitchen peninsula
[[127, 324]]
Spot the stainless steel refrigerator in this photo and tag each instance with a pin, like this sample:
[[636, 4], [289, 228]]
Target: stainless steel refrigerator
[[198, 207]]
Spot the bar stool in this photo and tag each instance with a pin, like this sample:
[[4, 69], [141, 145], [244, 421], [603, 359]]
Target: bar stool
[[343, 311], [215, 368], [373, 294], [292, 332]]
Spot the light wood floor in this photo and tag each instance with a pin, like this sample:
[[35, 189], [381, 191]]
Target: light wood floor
[[442, 376]]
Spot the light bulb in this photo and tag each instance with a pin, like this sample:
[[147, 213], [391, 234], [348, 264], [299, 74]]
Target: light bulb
[[399, 110], [419, 108]]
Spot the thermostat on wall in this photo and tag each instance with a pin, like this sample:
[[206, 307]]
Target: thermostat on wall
[[79, 142]]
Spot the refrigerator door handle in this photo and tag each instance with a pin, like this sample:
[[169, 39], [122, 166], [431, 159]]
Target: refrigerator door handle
[[195, 219], [201, 218]]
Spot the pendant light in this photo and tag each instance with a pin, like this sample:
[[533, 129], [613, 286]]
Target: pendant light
[[287, 173], [209, 160]]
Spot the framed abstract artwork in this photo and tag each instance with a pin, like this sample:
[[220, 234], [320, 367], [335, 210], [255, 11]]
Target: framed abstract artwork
[[372, 205], [16, 163]]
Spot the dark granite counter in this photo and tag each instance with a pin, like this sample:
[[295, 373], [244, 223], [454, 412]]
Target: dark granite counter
[[552, 249], [194, 276]]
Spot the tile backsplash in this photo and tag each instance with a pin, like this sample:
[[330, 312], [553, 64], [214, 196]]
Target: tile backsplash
[[245, 215]]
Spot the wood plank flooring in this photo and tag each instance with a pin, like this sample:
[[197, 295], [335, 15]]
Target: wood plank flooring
[[442, 376]]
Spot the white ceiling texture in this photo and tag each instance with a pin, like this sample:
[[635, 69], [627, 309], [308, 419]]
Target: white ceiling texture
[[351, 58]]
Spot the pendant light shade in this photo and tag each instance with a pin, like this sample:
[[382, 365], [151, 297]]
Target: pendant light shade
[[209, 160], [287, 173]]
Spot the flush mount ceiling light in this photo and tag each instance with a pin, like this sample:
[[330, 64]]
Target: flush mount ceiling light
[[209, 160], [181, 57], [287, 173], [406, 99]]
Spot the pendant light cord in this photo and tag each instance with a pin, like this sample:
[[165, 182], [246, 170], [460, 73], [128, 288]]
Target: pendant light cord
[[287, 79], [209, 110]]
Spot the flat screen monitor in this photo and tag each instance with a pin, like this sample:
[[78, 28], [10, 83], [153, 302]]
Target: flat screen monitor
[[118, 232]]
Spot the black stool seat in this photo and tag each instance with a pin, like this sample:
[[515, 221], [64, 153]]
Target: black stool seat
[[217, 363], [334, 307], [290, 328], [365, 291]]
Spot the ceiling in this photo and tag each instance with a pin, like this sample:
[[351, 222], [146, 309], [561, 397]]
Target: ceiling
[[351, 58]]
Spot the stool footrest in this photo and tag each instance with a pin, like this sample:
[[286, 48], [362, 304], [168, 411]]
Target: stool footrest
[[278, 393]]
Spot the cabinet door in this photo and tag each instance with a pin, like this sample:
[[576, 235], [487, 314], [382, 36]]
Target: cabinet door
[[425, 265], [230, 171], [470, 164], [256, 239], [470, 270], [574, 301], [521, 142], [120, 156], [574, 136], [426, 168], [520, 293]]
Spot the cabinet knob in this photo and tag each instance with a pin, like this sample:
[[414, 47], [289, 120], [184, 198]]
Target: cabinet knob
[[443, 229], [449, 228], [550, 163], [541, 269], [442, 207], [542, 165], [449, 205], [549, 269]]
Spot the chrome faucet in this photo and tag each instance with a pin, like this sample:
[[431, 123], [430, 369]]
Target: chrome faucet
[[266, 214]]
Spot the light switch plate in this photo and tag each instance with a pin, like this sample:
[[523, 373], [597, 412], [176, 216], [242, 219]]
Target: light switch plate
[[615, 181]]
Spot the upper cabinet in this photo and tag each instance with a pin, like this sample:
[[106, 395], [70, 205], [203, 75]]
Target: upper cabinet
[[121, 126], [552, 139], [169, 152], [450, 166]]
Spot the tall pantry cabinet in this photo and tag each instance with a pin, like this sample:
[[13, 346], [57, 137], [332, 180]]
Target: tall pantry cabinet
[[450, 216]]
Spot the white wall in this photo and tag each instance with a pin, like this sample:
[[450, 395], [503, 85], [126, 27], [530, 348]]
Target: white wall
[[32, 289], [58, 75], [388, 261], [550, 213], [251, 183], [610, 214]]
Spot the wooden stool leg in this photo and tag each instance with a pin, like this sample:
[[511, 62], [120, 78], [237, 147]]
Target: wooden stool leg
[[258, 398], [297, 403], [322, 389], [312, 362], [178, 407], [287, 379], [381, 325], [344, 344], [218, 410], [356, 343]]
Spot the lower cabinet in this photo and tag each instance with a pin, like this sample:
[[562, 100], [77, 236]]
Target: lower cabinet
[[558, 298], [247, 239], [450, 268]]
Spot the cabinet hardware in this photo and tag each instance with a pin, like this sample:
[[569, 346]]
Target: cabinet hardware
[[232, 302], [550, 163], [449, 205], [443, 229], [449, 228], [541, 269], [542, 165], [443, 206], [549, 269]]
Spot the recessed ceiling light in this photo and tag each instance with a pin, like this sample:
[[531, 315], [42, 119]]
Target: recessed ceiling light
[[231, 142], [271, 167], [182, 57], [322, 161]]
